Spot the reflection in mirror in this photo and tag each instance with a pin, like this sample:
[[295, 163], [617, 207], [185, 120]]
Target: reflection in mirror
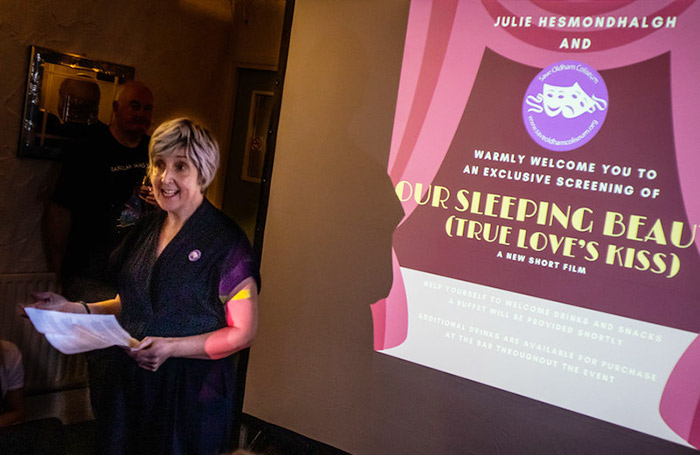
[[66, 93]]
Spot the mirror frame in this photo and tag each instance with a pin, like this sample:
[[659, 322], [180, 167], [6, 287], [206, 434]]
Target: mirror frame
[[44, 98]]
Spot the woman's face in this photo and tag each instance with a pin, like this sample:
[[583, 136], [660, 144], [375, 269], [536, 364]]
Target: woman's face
[[175, 184]]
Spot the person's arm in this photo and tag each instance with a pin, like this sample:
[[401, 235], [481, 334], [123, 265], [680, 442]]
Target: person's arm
[[56, 302], [242, 324], [13, 403], [56, 227], [13, 381], [57, 221]]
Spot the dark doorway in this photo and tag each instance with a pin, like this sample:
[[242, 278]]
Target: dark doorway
[[254, 104]]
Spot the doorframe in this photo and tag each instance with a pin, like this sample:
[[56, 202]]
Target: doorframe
[[265, 183]]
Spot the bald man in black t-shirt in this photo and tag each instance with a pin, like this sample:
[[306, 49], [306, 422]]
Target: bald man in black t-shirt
[[96, 197]]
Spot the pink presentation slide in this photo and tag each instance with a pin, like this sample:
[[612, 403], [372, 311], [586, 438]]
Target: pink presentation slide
[[546, 157]]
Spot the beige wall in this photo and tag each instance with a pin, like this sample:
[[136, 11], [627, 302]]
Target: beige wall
[[332, 210], [257, 33], [185, 50]]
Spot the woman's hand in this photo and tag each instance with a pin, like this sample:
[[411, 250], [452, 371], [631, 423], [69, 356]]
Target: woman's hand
[[54, 302], [151, 352], [146, 194]]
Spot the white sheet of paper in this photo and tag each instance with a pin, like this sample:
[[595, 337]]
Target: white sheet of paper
[[73, 333]]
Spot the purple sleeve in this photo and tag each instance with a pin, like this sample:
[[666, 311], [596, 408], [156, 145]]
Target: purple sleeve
[[238, 265]]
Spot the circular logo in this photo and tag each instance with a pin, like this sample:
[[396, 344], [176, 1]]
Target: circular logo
[[565, 106], [194, 255]]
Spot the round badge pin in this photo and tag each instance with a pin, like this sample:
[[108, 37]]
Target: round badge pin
[[194, 255]]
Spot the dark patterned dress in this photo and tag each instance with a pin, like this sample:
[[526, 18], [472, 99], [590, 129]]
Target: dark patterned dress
[[186, 406]]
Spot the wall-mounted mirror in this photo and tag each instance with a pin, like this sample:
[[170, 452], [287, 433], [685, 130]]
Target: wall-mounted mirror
[[66, 93]]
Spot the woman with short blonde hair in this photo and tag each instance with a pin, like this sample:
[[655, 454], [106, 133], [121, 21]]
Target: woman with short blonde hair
[[188, 285]]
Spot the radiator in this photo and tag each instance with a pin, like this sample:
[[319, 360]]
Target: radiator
[[45, 369]]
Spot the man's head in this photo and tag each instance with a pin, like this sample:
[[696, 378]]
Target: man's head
[[132, 113]]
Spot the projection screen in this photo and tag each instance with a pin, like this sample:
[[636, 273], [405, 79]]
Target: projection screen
[[482, 229], [546, 157]]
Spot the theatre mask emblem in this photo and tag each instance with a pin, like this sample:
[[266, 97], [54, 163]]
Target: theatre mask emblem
[[565, 106], [570, 102]]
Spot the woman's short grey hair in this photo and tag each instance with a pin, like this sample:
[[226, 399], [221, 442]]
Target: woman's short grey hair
[[196, 141]]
